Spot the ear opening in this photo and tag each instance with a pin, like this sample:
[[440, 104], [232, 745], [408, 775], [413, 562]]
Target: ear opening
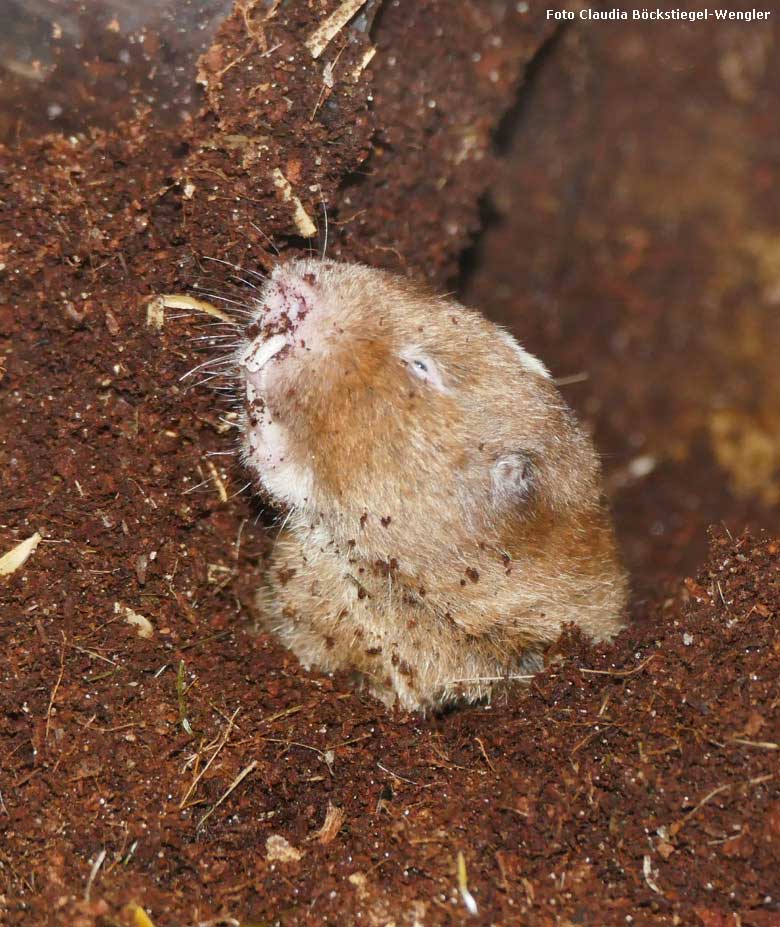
[[513, 476]]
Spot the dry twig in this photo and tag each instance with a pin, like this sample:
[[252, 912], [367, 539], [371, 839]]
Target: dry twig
[[620, 673], [233, 785], [677, 826], [54, 690], [214, 755], [93, 873]]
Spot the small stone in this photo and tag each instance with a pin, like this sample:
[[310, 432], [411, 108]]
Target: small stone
[[665, 849], [278, 849]]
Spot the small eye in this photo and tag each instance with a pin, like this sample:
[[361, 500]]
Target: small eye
[[424, 368]]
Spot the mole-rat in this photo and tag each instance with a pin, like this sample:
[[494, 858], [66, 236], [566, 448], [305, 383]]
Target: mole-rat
[[443, 509]]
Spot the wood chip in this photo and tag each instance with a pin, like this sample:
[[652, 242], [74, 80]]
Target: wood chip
[[155, 312], [463, 886], [301, 218], [647, 872], [18, 556], [363, 63], [144, 627], [179, 301], [319, 40], [139, 916], [334, 819], [217, 480]]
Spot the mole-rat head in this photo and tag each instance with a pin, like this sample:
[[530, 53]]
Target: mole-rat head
[[369, 398]]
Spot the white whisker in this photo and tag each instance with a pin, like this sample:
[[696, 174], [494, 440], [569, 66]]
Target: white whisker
[[216, 376], [236, 326], [239, 491], [226, 360], [197, 486], [273, 246], [215, 340], [246, 270], [325, 213]]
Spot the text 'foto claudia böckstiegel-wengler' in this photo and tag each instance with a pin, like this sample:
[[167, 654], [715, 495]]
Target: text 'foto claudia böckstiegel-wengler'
[[658, 14]]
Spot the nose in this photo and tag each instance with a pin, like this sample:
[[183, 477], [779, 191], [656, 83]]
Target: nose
[[288, 299], [286, 302]]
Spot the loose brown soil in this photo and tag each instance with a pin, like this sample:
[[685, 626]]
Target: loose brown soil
[[198, 773]]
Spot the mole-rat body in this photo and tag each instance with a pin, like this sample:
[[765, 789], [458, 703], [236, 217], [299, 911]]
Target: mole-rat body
[[445, 517]]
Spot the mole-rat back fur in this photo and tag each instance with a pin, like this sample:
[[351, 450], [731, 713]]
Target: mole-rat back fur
[[445, 512]]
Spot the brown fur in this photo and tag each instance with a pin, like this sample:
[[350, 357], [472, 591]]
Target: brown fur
[[404, 562]]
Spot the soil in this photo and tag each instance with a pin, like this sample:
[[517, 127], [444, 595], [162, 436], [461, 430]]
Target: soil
[[162, 763]]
